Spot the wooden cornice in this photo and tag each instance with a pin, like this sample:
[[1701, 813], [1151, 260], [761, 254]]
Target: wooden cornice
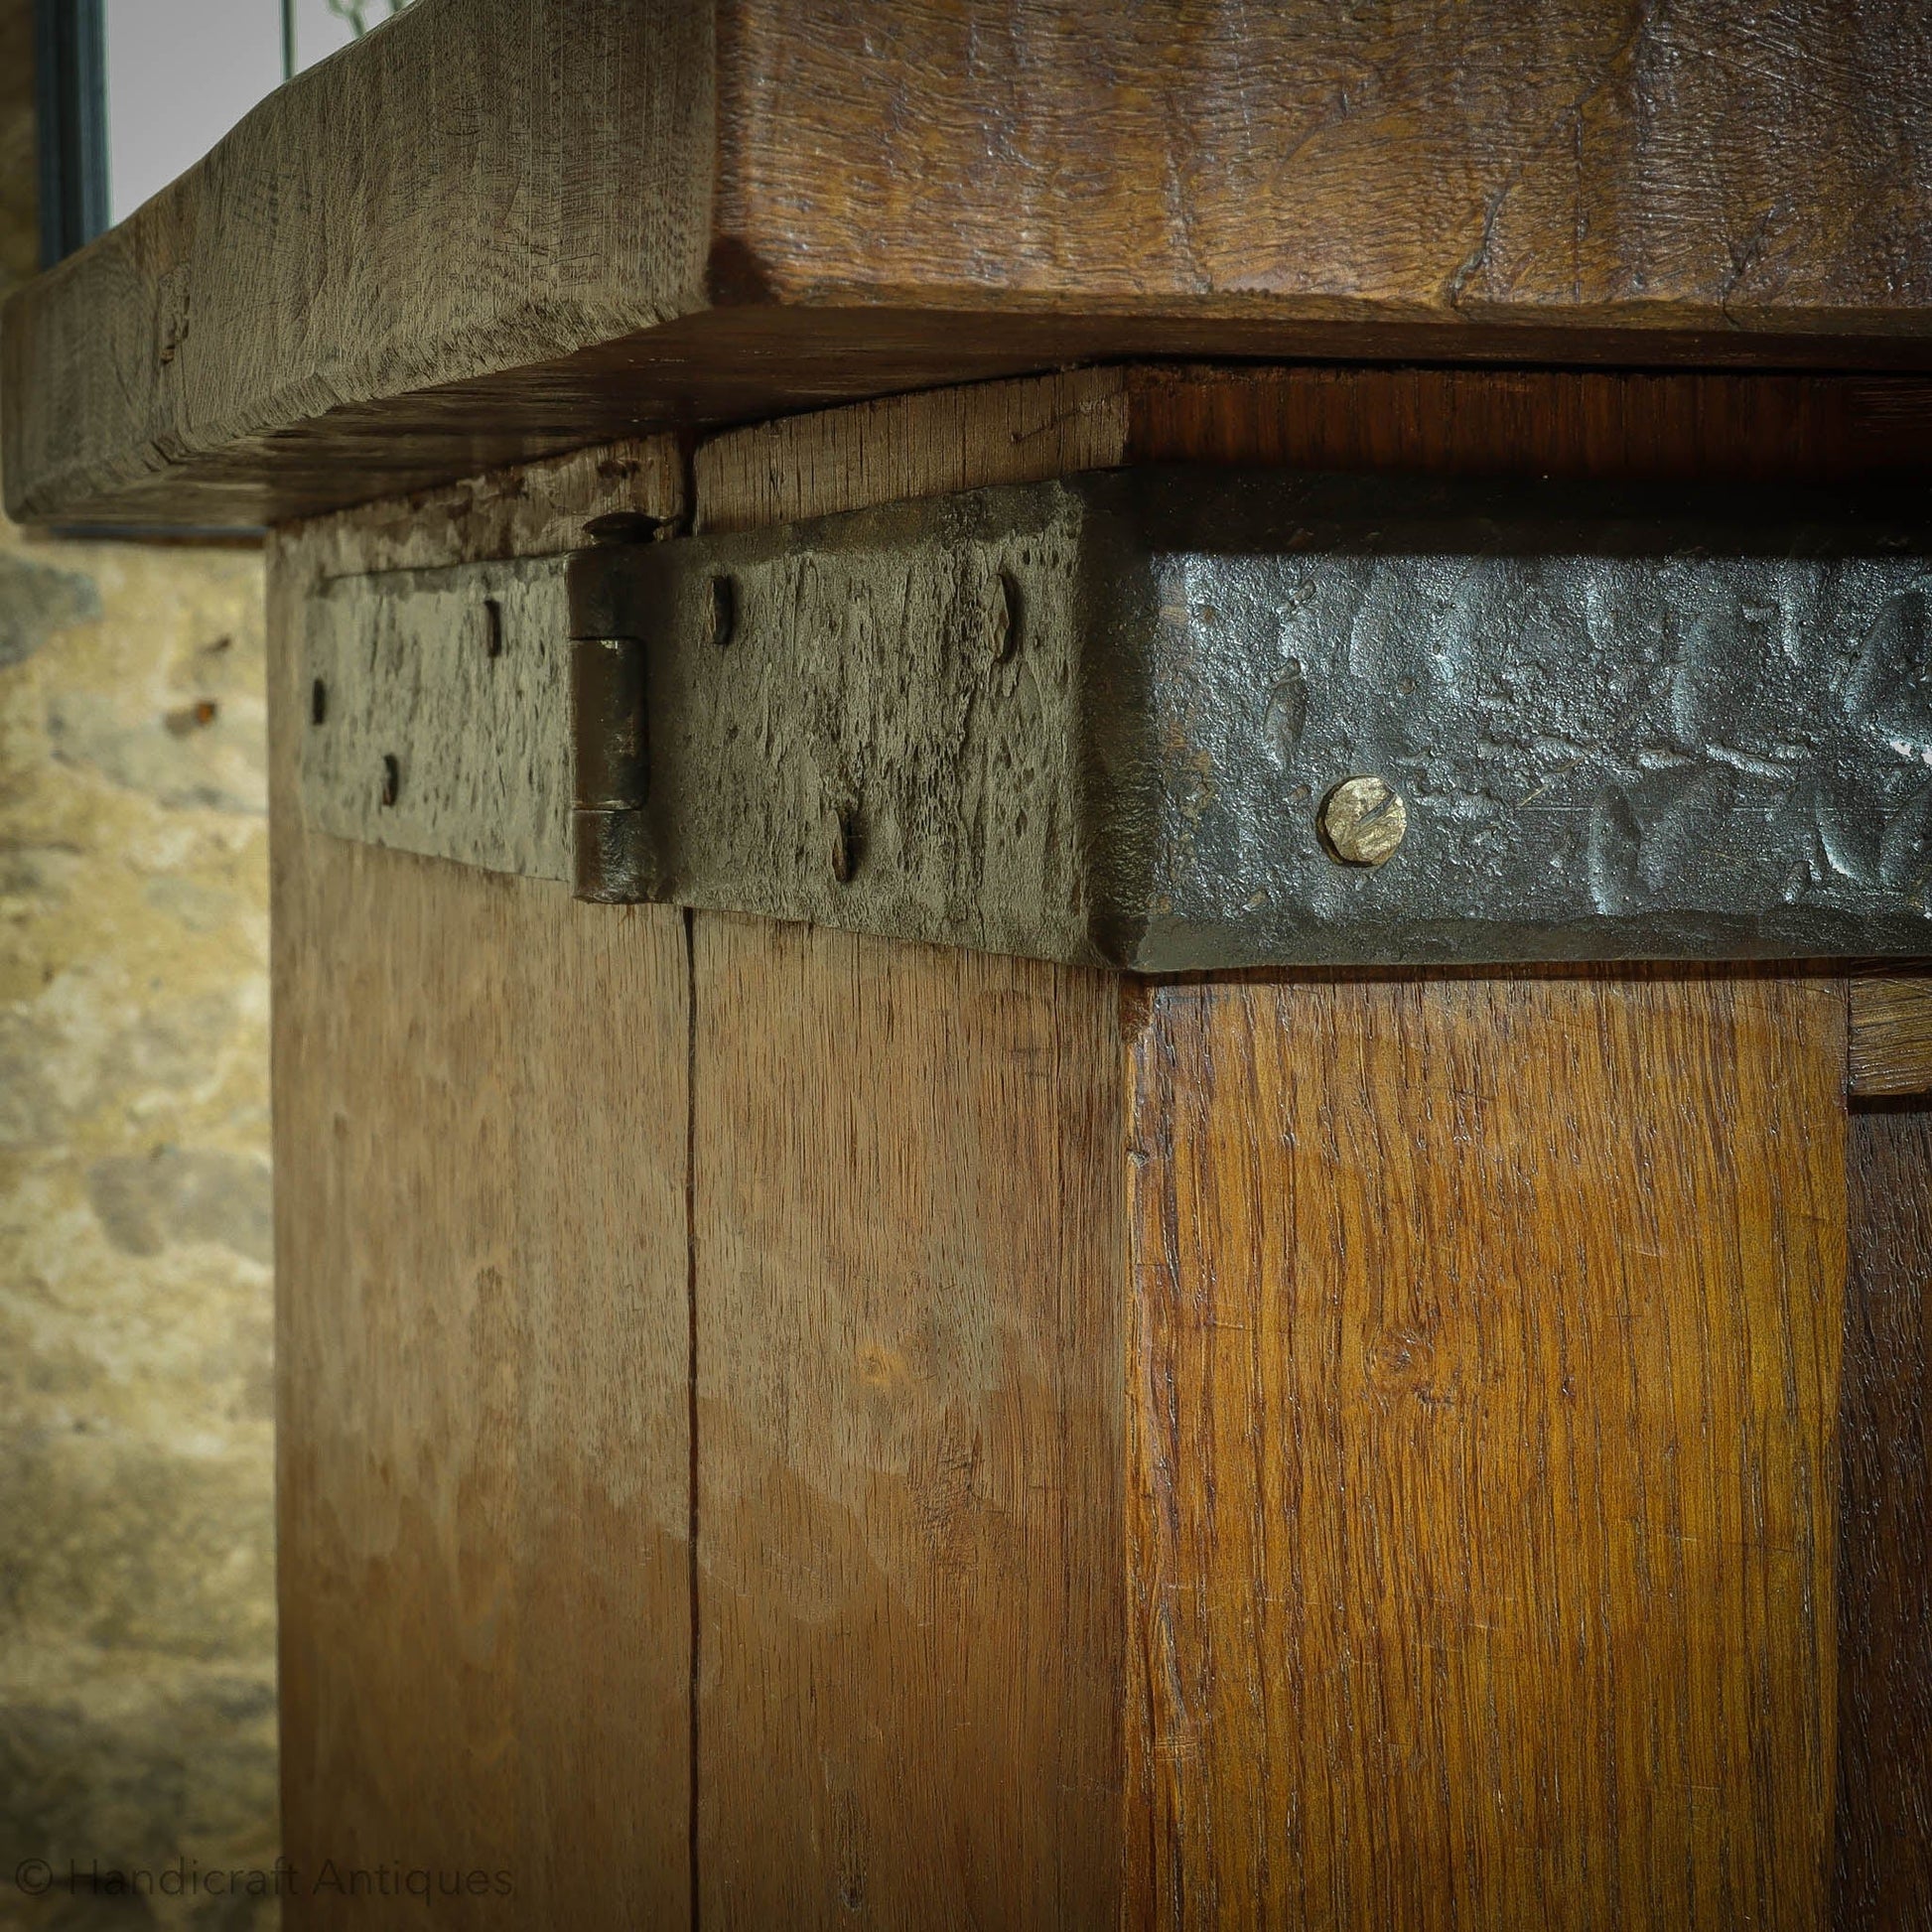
[[500, 228]]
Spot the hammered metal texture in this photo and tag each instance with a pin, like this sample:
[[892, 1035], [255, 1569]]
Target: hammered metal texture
[[462, 676], [1094, 720], [1622, 726]]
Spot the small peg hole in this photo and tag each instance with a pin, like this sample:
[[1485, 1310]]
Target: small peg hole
[[724, 611], [845, 844], [1008, 609]]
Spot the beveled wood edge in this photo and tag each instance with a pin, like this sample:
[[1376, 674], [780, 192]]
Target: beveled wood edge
[[719, 370], [195, 366]]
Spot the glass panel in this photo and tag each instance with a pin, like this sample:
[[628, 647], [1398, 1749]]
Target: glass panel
[[323, 25], [181, 73]]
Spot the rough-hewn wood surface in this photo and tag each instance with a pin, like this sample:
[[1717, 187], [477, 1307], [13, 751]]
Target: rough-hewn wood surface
[[1482, 1392], [481, 1356], [532, 510], [502, 227], [1724, 167], [1882, 1864], [1890, 1045], [480, 186]]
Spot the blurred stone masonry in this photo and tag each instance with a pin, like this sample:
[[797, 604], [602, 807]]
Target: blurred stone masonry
[[137, 1659]]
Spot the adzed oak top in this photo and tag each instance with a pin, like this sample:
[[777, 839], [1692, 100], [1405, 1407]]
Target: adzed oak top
[[499, 229]]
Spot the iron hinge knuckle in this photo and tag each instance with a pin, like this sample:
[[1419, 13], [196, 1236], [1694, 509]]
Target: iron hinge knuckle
[[610, 730]]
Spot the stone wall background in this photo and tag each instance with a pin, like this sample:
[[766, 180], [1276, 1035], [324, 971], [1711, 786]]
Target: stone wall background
[[137, 1663]]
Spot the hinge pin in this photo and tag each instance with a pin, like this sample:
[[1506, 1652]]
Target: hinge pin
[[610, 735]]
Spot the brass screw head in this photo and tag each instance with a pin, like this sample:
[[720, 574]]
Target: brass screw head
[[1361, 821]]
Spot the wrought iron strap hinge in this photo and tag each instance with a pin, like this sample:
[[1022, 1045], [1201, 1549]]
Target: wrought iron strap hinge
[[1165, 719]]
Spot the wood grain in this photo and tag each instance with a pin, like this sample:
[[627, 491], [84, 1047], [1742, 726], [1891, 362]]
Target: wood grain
[[1505, 163], [1482, 1391], [907, 1258], [479, 186], [1573, 423], [1607, 424], [1325, 1451], [500, 228], [532, 509], [928, 444], [909, 1342], [1883, 1865], [1890, 1044], [1480, 1540], [483, 1363]]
